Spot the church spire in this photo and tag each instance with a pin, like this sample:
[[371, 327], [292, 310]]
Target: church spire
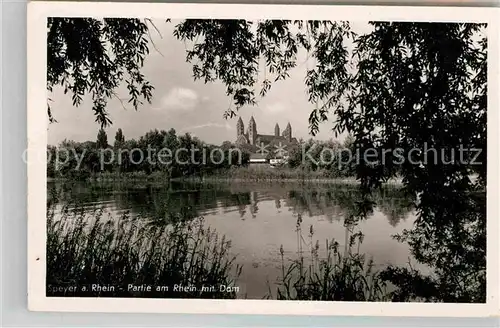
[[287, 133], [276, 130], [240, 127], [252, 131]]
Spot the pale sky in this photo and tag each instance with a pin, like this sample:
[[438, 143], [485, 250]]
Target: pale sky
[[186, 105]]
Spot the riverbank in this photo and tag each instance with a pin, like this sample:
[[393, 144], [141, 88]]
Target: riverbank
[[277, 175], [233, 175], [117, 176], [353, 181]]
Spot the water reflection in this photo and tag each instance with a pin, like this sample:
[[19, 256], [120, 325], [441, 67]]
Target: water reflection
[[441, 260], [259, 219], [189, 200]]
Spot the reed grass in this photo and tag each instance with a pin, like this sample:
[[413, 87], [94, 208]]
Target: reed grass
[[131, 176], [85, 249], [329, 274], [265, 173], [262, 173]]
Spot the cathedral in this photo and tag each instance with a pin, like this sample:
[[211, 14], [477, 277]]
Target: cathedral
[[253, 140]]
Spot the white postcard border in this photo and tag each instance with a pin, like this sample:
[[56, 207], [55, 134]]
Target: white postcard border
[[37, 142]]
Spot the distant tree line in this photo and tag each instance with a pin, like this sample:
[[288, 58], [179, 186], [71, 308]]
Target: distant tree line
[[332, 158], [156, 152], [161, 152]]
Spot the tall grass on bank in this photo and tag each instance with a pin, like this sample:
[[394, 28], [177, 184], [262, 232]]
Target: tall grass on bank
[[86, 249], [329, 274], [106, 176], [266, 173], [131, 176]]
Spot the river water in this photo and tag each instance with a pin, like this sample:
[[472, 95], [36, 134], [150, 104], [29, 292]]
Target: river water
[[261, 218]]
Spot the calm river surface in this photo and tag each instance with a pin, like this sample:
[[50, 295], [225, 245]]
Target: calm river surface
[[259, 218]]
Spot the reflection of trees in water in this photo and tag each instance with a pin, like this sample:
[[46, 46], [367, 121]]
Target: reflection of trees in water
[[334, 202], [453, 244], [449, 238], [348, 204], [254, 208], [394, 204]]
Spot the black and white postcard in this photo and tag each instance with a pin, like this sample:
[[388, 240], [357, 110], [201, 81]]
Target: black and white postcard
[[263, 159]]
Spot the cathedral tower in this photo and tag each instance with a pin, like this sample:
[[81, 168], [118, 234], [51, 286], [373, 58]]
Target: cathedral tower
[[277, 130], [287, 133], [252, 131], [240, 128]]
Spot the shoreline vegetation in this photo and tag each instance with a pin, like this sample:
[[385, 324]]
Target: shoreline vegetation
[[101, 161], [237, 174], [320, 271], [89, 254], [93, 255], [332, 276]]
